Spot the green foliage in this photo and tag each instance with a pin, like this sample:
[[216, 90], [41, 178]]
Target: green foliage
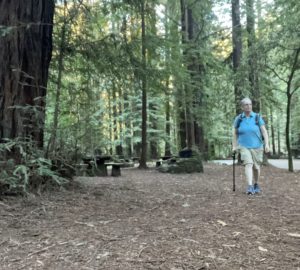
[[100, 94], [25, 168], [183, 165], [5, 30]]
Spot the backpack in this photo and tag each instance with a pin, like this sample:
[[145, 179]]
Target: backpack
[[240, 119], [257, 116]]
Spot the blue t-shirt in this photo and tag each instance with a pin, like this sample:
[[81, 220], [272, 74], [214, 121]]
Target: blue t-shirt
[[248, 133]]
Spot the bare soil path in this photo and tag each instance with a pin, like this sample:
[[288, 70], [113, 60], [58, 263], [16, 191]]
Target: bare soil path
[[149, 220]]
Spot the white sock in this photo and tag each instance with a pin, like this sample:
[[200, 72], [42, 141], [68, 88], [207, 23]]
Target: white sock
[[249, 173]]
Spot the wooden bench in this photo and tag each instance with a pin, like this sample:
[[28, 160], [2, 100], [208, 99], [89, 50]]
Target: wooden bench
[[81, 169], [96, 165], [136, 159], [164, 159], [116, 168]]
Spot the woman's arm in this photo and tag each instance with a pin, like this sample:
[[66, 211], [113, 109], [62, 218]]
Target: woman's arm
[[264, 133]]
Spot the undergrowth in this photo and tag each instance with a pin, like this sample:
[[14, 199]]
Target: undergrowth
[[24, 167]]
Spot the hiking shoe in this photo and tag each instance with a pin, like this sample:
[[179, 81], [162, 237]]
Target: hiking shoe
[[256, 188], [250, 190]]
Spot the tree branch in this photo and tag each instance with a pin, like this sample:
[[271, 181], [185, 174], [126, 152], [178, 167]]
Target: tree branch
[[294, 67], [293, 92], [276, 74]]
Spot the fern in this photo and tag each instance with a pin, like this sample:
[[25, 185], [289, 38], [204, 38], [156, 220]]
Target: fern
[[33, 166]]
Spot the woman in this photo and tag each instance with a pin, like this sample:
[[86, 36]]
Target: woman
[[250, 138]]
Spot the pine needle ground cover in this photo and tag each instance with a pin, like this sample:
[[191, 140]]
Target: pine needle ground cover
[[145, 219]]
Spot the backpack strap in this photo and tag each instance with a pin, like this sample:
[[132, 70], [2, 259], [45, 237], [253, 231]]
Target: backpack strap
[[257, 116], [240, 119]]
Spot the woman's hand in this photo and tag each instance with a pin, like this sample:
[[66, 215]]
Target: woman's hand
[[267, 148]]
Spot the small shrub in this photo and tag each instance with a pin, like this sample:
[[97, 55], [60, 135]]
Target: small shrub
[[24, 168]]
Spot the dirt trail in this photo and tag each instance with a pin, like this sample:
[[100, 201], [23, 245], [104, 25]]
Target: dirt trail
[[149, 220]]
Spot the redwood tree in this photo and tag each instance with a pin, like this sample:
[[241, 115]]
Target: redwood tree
[[252, 56], [25, 54], [237, 50], [192, 27], [143, 159]]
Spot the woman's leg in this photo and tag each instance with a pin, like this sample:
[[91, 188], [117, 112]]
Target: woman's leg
[[249, 173], [256, 172]]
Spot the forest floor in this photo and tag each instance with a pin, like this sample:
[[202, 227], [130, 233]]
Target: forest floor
[[149, 220]]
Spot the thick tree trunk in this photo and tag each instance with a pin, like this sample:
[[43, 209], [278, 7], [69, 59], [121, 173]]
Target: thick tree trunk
[[289, 93], [287, 131], [128, 126], [25, 54], [187, 28], [52, 140], [143, 159], [119, 148], [154, 150], [114, 115], [193, 91], [272, 132], [182, 131], [278, 138], [237, 50], [199, 140], [168, 30], [252, 56], [110, 116], [154, 145], [182, 101], [168, 124], [128, 120]]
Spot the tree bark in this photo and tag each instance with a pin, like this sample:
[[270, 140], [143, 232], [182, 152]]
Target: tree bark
[[127, 108], [278, 139], [182, 98], [289, 93], [194, 90], [119, 147], [25, 53], [252, 56], [287, 131], [272, 132], [168, 32], [143, 159], [168, 124], [187, 28], [182, 131], [237, 51], [154, 146], [52, 140]]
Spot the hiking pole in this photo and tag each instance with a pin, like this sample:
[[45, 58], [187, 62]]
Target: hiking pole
[[233, 171]]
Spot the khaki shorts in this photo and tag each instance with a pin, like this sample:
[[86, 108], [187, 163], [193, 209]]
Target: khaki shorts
[[252, 156]]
